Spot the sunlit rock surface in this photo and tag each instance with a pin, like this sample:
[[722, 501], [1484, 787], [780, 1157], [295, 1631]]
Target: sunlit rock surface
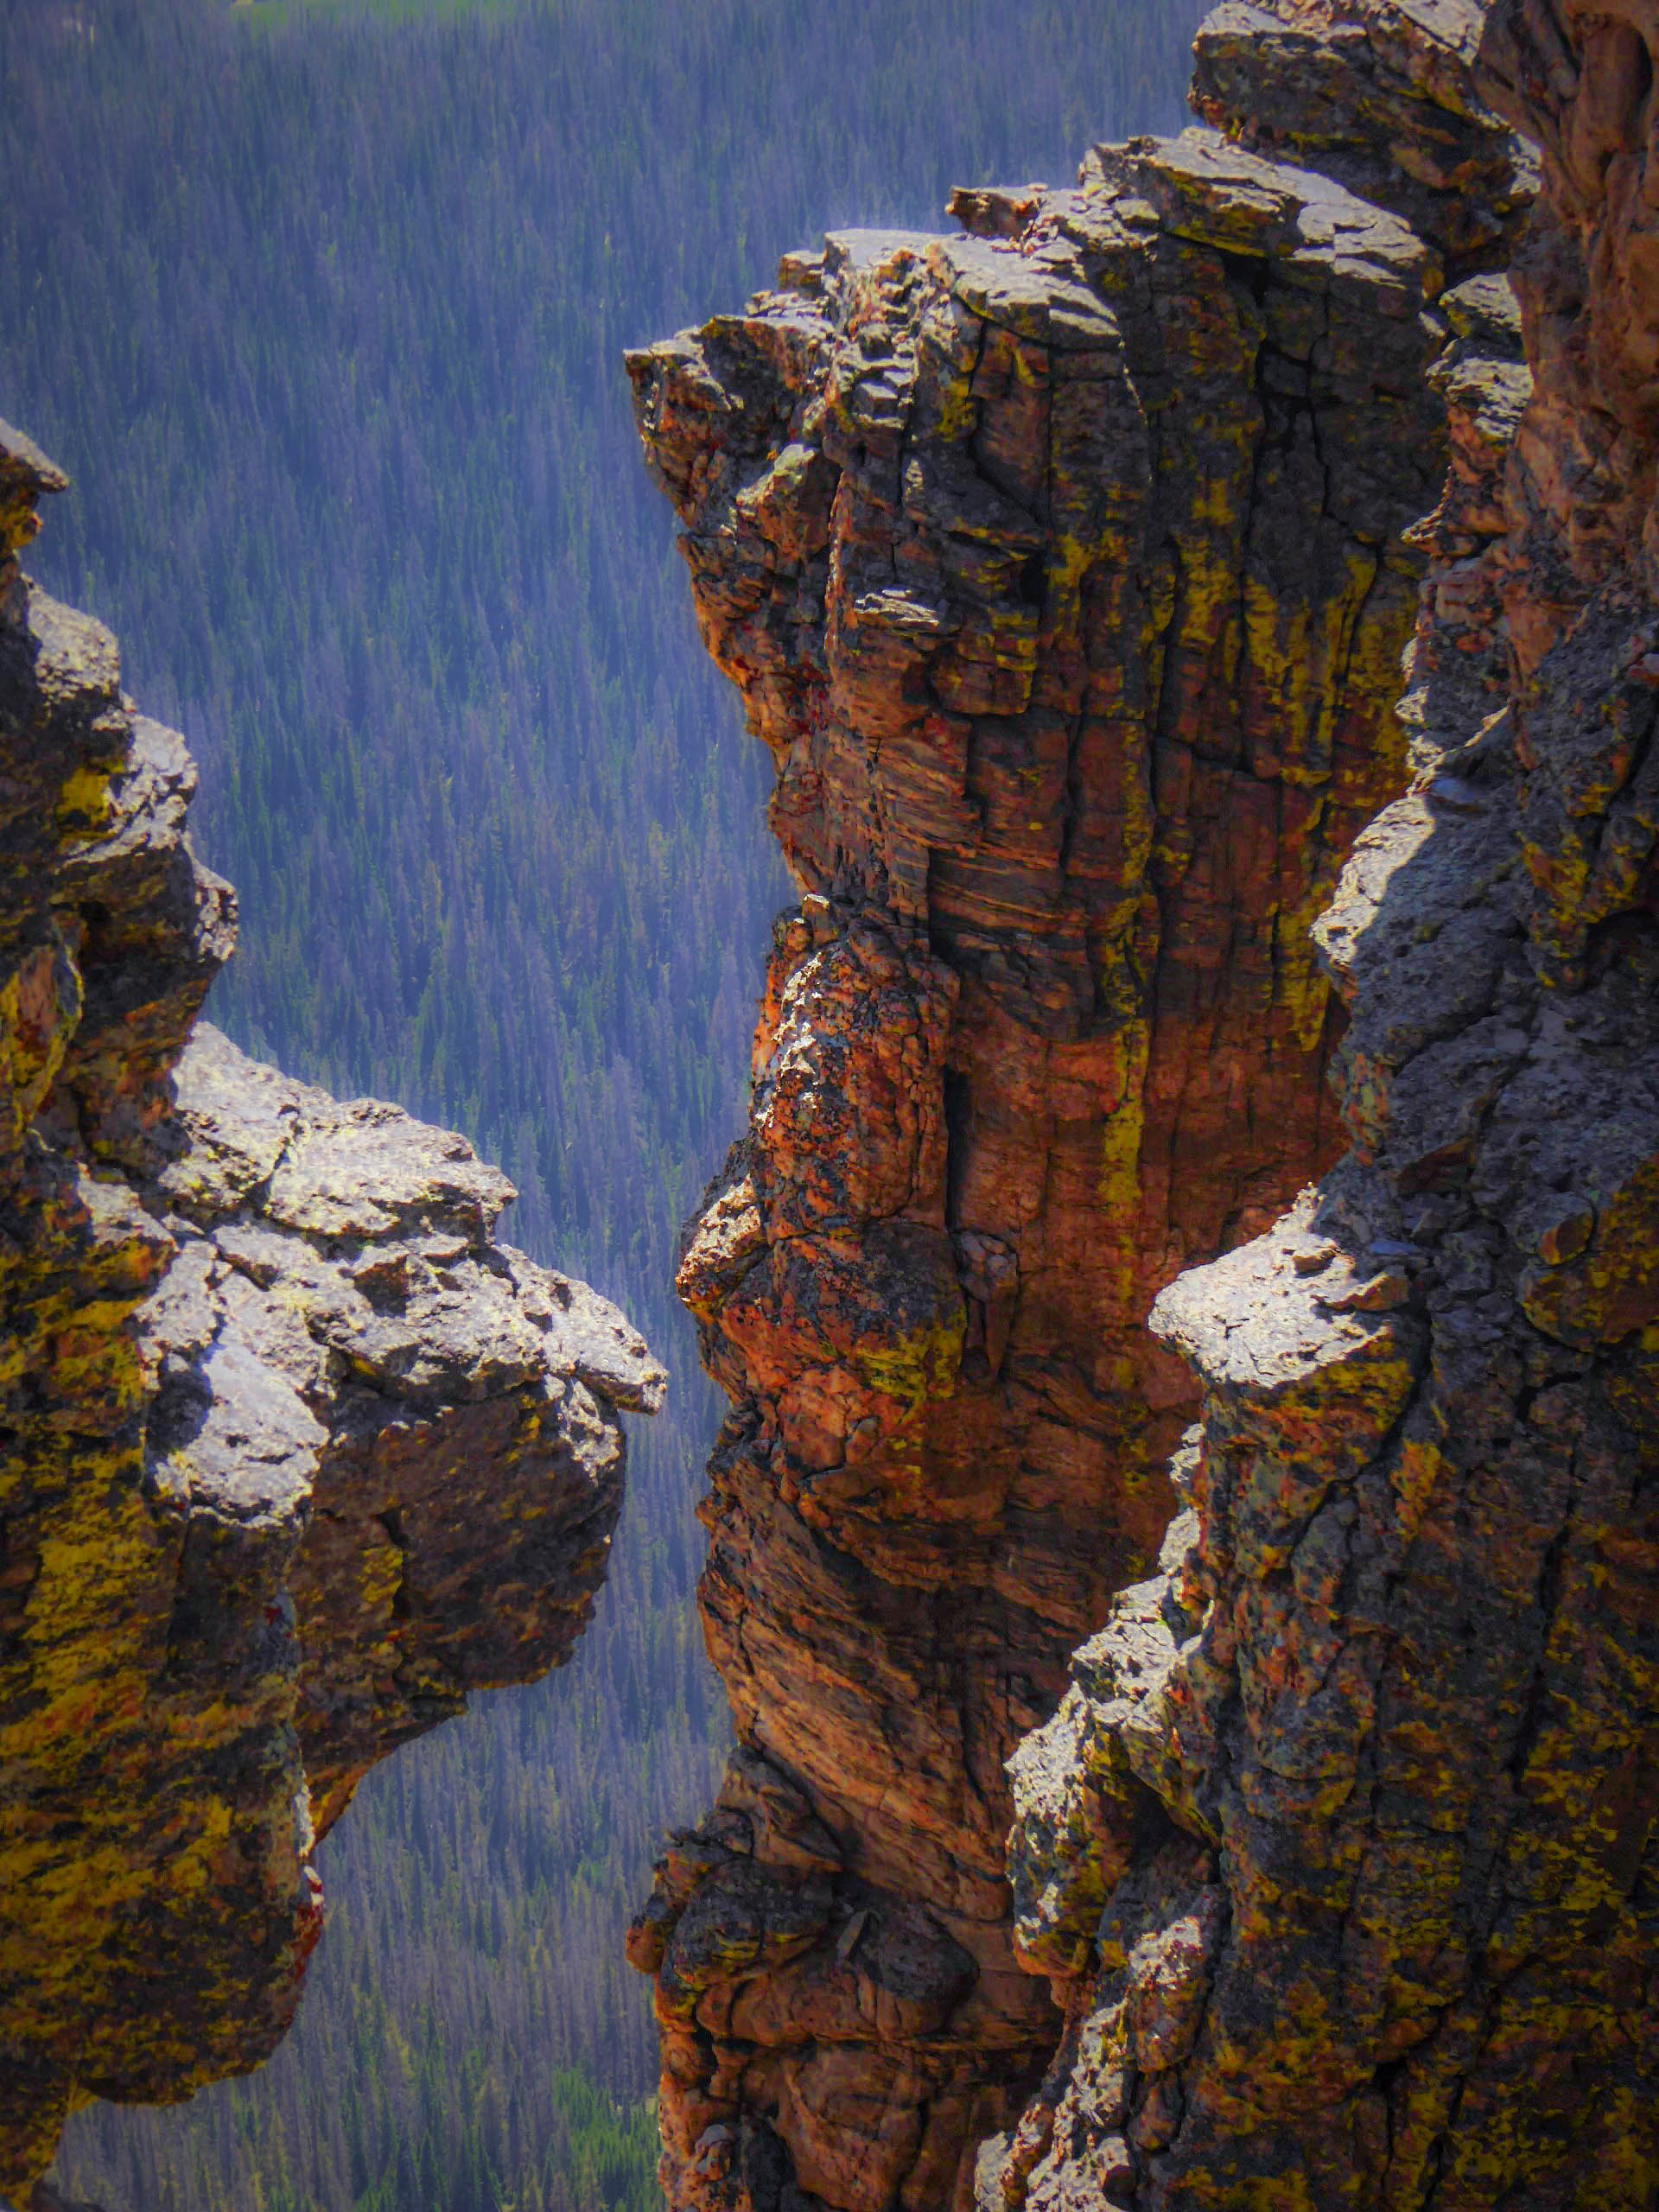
[[1064, 565], [293, 1455], [1340, 1853]]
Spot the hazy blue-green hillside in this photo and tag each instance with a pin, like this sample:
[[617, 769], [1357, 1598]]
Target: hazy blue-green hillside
[[322, 303]]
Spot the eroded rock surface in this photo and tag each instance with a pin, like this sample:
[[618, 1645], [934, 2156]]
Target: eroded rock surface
[[293, 1455], [1063, 567], [1341, 1851]]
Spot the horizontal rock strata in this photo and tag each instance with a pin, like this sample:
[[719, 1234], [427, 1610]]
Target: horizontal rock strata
[[1062, 565], [1369, 1775], [293, 1455]]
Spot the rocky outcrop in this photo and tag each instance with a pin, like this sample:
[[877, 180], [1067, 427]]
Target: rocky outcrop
[[293, 1455], [1380, 95], [1064, 565], [1341, 1851]]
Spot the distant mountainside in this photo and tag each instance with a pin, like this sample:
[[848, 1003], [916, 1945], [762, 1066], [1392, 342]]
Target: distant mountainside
[[323, 310]]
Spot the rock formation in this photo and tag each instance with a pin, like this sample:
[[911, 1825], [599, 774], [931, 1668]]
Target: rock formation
[[1369, 1775], [1065, 566], [293, 1455]]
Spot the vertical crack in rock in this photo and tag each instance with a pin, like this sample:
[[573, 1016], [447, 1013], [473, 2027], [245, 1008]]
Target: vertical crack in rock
[[1063, 566], [1389, 1716], [293, 1455]]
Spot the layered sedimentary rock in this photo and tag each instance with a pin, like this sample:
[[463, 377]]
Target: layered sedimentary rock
[[1341, 1851], [1062, 565], [293, 1454]]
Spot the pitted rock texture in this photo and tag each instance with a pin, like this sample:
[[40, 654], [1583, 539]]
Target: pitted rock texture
[[294, 1455], [1381, 95], [1062, 567], [1343, 1852]]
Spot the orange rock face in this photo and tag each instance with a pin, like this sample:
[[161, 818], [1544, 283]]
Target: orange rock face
[[1062, 567], [1342, 1850]]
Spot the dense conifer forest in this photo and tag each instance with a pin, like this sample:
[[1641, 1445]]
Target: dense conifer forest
[[322, 303]]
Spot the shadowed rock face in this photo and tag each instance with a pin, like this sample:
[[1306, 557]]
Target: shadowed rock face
[[1367, 1778], [1062, 567], [293, 1455]]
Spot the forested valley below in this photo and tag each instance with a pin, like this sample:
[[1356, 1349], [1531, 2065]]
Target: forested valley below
[[322, 308]]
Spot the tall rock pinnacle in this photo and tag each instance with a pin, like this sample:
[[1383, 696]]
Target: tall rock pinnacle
[[1065, 566]]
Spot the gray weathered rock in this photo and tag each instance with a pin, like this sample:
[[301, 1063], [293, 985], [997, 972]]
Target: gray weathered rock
[[293, 1455], [1369, 1775]]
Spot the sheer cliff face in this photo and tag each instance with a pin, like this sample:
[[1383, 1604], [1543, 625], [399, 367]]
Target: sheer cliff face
[[1370, 1774], [1061, 567], [293, 1455]]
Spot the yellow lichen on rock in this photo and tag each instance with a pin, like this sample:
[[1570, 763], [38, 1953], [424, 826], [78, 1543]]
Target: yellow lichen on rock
[[264, 1370]]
